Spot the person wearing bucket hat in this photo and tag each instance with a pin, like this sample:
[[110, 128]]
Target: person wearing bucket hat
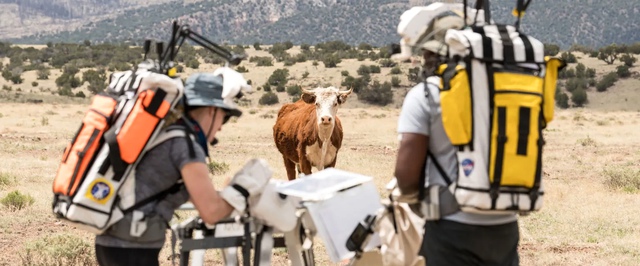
[[209, 103], [204, 92], [451, 237]]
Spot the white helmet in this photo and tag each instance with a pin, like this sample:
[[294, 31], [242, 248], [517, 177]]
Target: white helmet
[[425, 27]]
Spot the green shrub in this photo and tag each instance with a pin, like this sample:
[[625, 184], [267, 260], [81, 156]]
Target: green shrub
[[344, 73], [294, 90], [568, 57], [377, 93], [562, 100], [193, 63], [6, 179], [395, 81], [579, 97], [216, 168], [623, 71], [34, 83], [396, 70], [279, 77], [269, 98], [43, 74], [567, 73], [581, 70], [331, 61], [261, 60], [365, 46], [387, 62], [551, 49], [242, 69], [628, 60], [607, 81], [624, 178], [280, 88], [300, 58], [357, 84], [363, 69], [576, 83], [305, 74], [65, 91], [17, 201]]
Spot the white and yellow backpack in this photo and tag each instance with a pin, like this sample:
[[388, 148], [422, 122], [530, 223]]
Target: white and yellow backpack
[[497, 95]]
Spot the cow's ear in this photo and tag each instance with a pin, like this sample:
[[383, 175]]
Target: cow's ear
[[342, 98], [309, 98]]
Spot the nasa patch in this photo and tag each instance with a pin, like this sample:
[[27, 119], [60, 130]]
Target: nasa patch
[[100, 191], [467, 166]]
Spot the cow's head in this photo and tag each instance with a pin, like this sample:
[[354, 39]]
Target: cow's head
[[327, 101]]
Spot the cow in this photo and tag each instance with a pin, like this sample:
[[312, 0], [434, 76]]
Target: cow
[[308, 133]]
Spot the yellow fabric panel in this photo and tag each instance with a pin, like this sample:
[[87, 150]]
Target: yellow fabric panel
[[550, 82], [518, 170], [456, 108], [518, 82]]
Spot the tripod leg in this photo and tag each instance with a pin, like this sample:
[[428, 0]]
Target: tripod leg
[[230, 256], [198, 255], [263, 247]]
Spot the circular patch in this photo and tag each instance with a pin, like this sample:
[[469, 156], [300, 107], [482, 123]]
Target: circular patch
[[100, 190]]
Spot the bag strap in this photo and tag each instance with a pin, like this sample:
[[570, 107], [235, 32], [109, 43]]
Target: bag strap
[[423, 177], [171, 190], [170, 132]]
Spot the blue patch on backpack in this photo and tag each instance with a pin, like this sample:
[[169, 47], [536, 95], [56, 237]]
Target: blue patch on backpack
[[467, 166], [100, 190]]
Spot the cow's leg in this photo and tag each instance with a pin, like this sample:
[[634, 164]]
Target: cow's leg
[[298, 168], [333, 163], [305, 164], [291, 168]]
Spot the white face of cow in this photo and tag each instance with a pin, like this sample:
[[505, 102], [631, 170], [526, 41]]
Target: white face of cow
[[327, 101]]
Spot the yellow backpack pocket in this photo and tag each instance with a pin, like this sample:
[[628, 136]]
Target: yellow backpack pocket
[[456, 104], [515, 135], [553, 66]]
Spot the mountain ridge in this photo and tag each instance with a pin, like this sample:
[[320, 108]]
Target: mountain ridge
[[590, 23]]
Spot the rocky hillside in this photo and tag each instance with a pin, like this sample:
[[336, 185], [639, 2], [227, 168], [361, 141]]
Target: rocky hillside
[[565, 22]]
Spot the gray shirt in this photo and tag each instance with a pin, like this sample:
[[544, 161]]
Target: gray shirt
[[158, 170], [420, 115]]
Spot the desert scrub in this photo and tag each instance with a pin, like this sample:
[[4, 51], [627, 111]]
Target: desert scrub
[[6, 179], [625, 178], [216, 168], [587, 142], [60, 249], [17, 201]]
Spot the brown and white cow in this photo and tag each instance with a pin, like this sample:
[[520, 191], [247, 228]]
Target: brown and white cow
[[308, 133]]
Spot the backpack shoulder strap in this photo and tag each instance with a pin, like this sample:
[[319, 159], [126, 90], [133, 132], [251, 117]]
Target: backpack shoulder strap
[[421, 195], [173, 131], [170, 132]]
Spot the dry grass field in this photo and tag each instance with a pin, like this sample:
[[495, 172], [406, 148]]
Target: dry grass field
[[591, 173]]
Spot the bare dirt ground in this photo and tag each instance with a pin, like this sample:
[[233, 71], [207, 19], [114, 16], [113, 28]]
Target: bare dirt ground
[[583, 221]]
